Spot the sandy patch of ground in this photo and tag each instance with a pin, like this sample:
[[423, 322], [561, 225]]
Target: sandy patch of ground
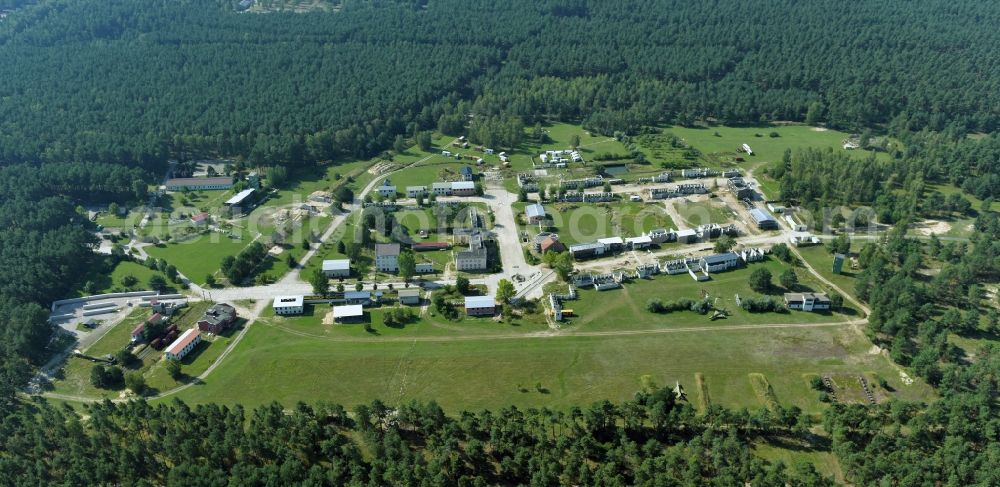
[[928, 227], [328, 318], [819, 129], [275, 251], [381, 167]]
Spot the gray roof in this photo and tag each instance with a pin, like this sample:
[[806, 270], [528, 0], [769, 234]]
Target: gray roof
[[798, 297], [387, 249], [416, 188], [463, 185], [586, 246], [535, 210], [479, 302], [348, 311], [358, 295], [337, 265], [239, 197], [760, 215], [219, 313], [441, 185], [720, 258], [408, 293], [477, 253]]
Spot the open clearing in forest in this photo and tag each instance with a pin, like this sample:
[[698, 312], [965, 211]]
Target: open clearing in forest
[[273, 363]]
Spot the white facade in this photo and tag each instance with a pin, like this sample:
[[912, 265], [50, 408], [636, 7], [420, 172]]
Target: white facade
[[337, 268], [288, 305], [183, 344], [386, 257], [441, 189], [409, 296]]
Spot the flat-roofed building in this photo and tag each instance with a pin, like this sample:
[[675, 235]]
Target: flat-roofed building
[[612, 244], [288, 305], [719, 262], [807, 301], [362, 298], [480, 306], [351, 313], [409, 296], [587, 250], [641, 242], [218, 318], [687, 236]]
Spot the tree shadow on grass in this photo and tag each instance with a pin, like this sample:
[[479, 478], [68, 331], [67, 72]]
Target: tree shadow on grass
[[809, 443]]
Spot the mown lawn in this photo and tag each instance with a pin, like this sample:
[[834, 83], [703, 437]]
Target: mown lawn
[[626, 308], [436, 169], [765, 147], [822, 260], [113, 282], [702, 212], [200, 256], [273, 364]]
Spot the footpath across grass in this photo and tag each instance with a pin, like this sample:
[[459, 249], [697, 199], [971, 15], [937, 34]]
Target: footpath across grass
[[274, 364]]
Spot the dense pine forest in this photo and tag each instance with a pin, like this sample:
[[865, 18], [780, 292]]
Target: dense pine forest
[[136, 82], [96, 96]]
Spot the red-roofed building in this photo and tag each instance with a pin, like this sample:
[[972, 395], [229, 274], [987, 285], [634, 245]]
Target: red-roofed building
[[137, 331], [550, 244], [200, 219], [183, 344]]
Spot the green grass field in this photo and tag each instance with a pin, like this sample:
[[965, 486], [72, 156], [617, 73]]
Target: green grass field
[[113, 282], [273, 363], [74, 376], [702, 212], [201, 256], [437, 168], [821, 260], [607, 310], [765, 148], [127, 221], [585, 222], [560, 135]]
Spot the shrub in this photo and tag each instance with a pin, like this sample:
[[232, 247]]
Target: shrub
[[763, 304]]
